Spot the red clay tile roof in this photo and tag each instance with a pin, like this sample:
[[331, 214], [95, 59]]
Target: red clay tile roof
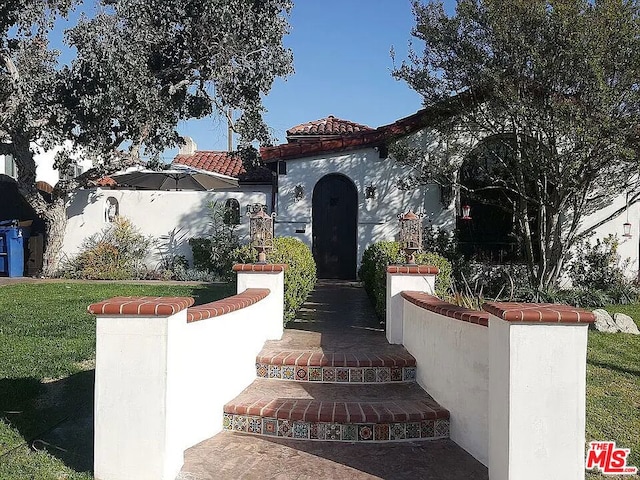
[[292, 150], [426, 117], [105, 182], [225, 164], [327, 126], [219, 162]]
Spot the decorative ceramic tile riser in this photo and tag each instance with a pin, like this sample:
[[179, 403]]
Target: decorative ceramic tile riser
[[337, 374], [339, 432]]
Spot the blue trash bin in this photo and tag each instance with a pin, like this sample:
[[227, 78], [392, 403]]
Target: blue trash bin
[[4, 260], [11, 249]]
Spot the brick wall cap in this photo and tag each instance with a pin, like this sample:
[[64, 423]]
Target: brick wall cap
[[413, 269], [538, 312], [441, 307], [260, 267], [142, 306], [227, 305]]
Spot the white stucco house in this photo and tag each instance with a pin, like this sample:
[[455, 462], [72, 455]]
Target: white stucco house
[[338, 190], [330, 186], [333, 185]]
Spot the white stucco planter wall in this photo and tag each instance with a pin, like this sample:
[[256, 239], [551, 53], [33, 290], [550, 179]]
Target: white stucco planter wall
[[161, 383], [537, 403], [513, 380], [396, 284], [453, 367]]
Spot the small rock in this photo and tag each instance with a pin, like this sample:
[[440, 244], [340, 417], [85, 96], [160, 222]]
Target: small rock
[[626, 324], [604, 322]]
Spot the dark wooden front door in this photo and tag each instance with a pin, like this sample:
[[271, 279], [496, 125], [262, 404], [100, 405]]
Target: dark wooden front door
[[335, 204]]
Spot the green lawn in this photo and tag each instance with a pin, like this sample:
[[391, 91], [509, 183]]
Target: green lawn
[[613, 387], [46, 334]]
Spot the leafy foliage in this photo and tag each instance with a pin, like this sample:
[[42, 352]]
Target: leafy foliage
[[214, 253], [115, 253], [597, 264], [299, 278], [444, 242], [373, 271], [597, 267], [141, 67], [552, 86]]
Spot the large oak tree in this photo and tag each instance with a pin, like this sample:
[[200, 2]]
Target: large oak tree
[[555, 85], [141, 67]]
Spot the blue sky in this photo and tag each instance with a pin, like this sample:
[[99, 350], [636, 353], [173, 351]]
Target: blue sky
[[342, 68]]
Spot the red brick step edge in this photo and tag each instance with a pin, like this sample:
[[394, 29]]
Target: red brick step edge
[[310, 410]]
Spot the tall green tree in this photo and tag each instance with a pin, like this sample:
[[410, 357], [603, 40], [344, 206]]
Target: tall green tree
[[554, 83], [141, 67]]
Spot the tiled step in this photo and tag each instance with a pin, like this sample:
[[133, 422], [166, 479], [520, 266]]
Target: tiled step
[[366, 412], [333, 367]]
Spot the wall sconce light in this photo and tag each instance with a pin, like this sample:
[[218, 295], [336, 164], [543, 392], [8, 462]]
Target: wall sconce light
[[260, 230], [298, 192], [410, 235], [626, 226], [369, 191], [466, 212]]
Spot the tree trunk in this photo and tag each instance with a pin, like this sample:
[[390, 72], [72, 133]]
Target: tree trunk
[[56, 224], [54, 214]]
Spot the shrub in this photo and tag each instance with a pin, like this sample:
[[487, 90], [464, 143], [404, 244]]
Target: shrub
[[509, 281], [200, 249], [444, 242], [373, 271], [598, 273], [214, 253], [185, 274], [597, 265], [115, 253], [299, 278]]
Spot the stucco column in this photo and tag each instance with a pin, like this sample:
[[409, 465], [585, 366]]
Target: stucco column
[[420, 278], [537, 391], [269, 276], [137, 413]]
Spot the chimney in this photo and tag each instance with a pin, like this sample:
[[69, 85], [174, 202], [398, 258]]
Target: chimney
[[189, 147]]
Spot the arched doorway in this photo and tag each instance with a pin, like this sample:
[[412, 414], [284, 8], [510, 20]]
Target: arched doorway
[[335, 222]]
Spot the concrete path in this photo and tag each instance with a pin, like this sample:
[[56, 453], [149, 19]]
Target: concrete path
[[337, 317]]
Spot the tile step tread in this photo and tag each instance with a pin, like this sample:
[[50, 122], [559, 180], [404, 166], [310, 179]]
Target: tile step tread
[[318, 358], [361, 403]]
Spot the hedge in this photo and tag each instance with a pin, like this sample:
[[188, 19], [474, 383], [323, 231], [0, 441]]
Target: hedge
[[373, 271], [299, 278]]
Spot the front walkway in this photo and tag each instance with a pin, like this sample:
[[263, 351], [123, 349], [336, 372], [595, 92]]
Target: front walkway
[[338, 317]]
